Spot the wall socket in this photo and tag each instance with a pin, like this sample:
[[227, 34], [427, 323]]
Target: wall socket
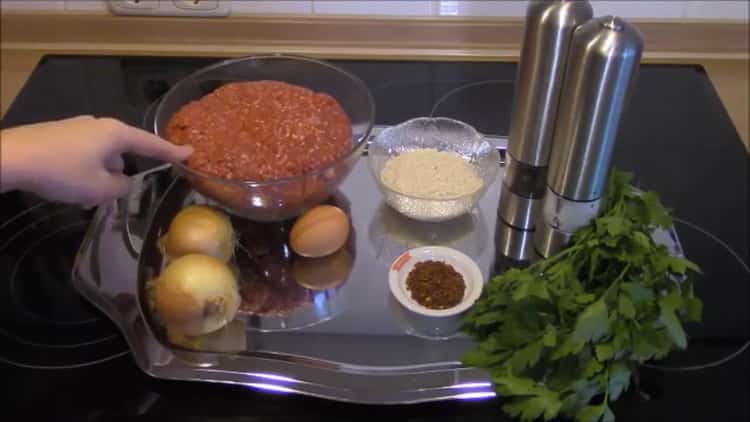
[[198, 8]]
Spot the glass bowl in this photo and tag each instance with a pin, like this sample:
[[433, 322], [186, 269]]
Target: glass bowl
[[280, 199], [441, 134]]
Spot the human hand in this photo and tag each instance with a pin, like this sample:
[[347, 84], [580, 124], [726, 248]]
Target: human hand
[[77, 160]]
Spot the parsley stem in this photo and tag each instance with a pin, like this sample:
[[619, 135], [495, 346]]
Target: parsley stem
[[542, 265], [617, 280], [561, 315]]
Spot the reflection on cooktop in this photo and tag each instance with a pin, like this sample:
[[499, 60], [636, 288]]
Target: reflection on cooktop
[[278, 285], [423, 326], [45, 323], [391, 233]]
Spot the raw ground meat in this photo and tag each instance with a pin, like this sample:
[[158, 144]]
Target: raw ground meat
[[261, 130]]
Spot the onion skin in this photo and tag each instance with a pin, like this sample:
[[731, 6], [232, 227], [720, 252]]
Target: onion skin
[[196, 294], [202, 230]]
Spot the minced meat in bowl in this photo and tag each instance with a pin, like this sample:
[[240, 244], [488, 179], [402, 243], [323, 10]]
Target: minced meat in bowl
[[261, 131], [272, 135]]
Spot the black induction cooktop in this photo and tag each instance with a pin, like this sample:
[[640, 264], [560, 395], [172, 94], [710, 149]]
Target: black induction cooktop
[[60, 359]]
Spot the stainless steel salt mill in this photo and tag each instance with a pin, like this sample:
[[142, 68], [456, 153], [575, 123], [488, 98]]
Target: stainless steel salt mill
[[549, 29], [603, 61], [548, 32]]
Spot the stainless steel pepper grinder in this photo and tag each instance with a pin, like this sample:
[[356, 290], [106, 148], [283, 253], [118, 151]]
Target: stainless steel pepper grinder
[[547, 36], [603, 62]]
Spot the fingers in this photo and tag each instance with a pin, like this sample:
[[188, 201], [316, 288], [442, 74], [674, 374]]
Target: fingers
[[115, 163], [137, 141], [111, 186], [117, 185]]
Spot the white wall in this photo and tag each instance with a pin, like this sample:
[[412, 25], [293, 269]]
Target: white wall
[[669, 9]]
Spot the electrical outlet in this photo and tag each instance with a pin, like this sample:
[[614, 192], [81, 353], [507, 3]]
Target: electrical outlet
[[198, 8], [196, 4], [136, 4]]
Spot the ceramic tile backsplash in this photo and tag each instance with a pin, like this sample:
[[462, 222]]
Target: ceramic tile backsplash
[[372, 7], [640, 9], [94, 5], [32, 5], [272, 7], [717, 10], [480, 8], [665, 9]]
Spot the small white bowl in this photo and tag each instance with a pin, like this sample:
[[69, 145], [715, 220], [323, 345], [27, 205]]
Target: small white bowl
[[468, 269]]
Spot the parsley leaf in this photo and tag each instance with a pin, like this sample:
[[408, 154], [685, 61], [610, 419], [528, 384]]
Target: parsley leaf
[[592, 323], [625, 307], [656, 211], [582, 391], [591, 413], [481, 358], [528, 409], [526, 356], [693, 308], [488, 318], [672, 324], [550, 336], [510, 385], [637, 293], [604, 351], [569, 346], [619, 379]]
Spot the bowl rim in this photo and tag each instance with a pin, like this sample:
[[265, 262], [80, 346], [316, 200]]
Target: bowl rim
[[356, 148], [475, 133], [396, 279]]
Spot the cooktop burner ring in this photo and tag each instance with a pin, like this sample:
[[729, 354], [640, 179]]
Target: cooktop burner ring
[[58, 346], [71, 366], [33, 224], [453, 91], [482, 104], [49, 326], [29, 210], [727, 357], [13, 277]]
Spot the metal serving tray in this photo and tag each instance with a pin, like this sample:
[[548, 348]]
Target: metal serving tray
[[349, 343]]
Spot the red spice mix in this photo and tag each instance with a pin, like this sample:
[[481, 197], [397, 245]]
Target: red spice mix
[[435, 285]]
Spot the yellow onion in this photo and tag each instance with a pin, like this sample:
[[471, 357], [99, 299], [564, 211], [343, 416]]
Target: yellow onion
[[202, 230], [196, 294]]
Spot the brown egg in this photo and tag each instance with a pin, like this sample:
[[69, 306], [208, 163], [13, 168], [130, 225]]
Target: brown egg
[[323, 273], [319, 232]]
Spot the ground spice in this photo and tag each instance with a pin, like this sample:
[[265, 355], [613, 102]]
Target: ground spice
[[435, 285]]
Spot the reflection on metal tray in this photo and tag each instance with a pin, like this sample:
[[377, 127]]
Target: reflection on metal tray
[[348, 342]]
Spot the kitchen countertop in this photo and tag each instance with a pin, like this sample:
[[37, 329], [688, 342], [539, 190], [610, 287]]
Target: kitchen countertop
[[729, 77]]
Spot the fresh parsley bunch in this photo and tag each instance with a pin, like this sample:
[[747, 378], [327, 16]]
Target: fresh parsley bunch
[[563, 336]]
